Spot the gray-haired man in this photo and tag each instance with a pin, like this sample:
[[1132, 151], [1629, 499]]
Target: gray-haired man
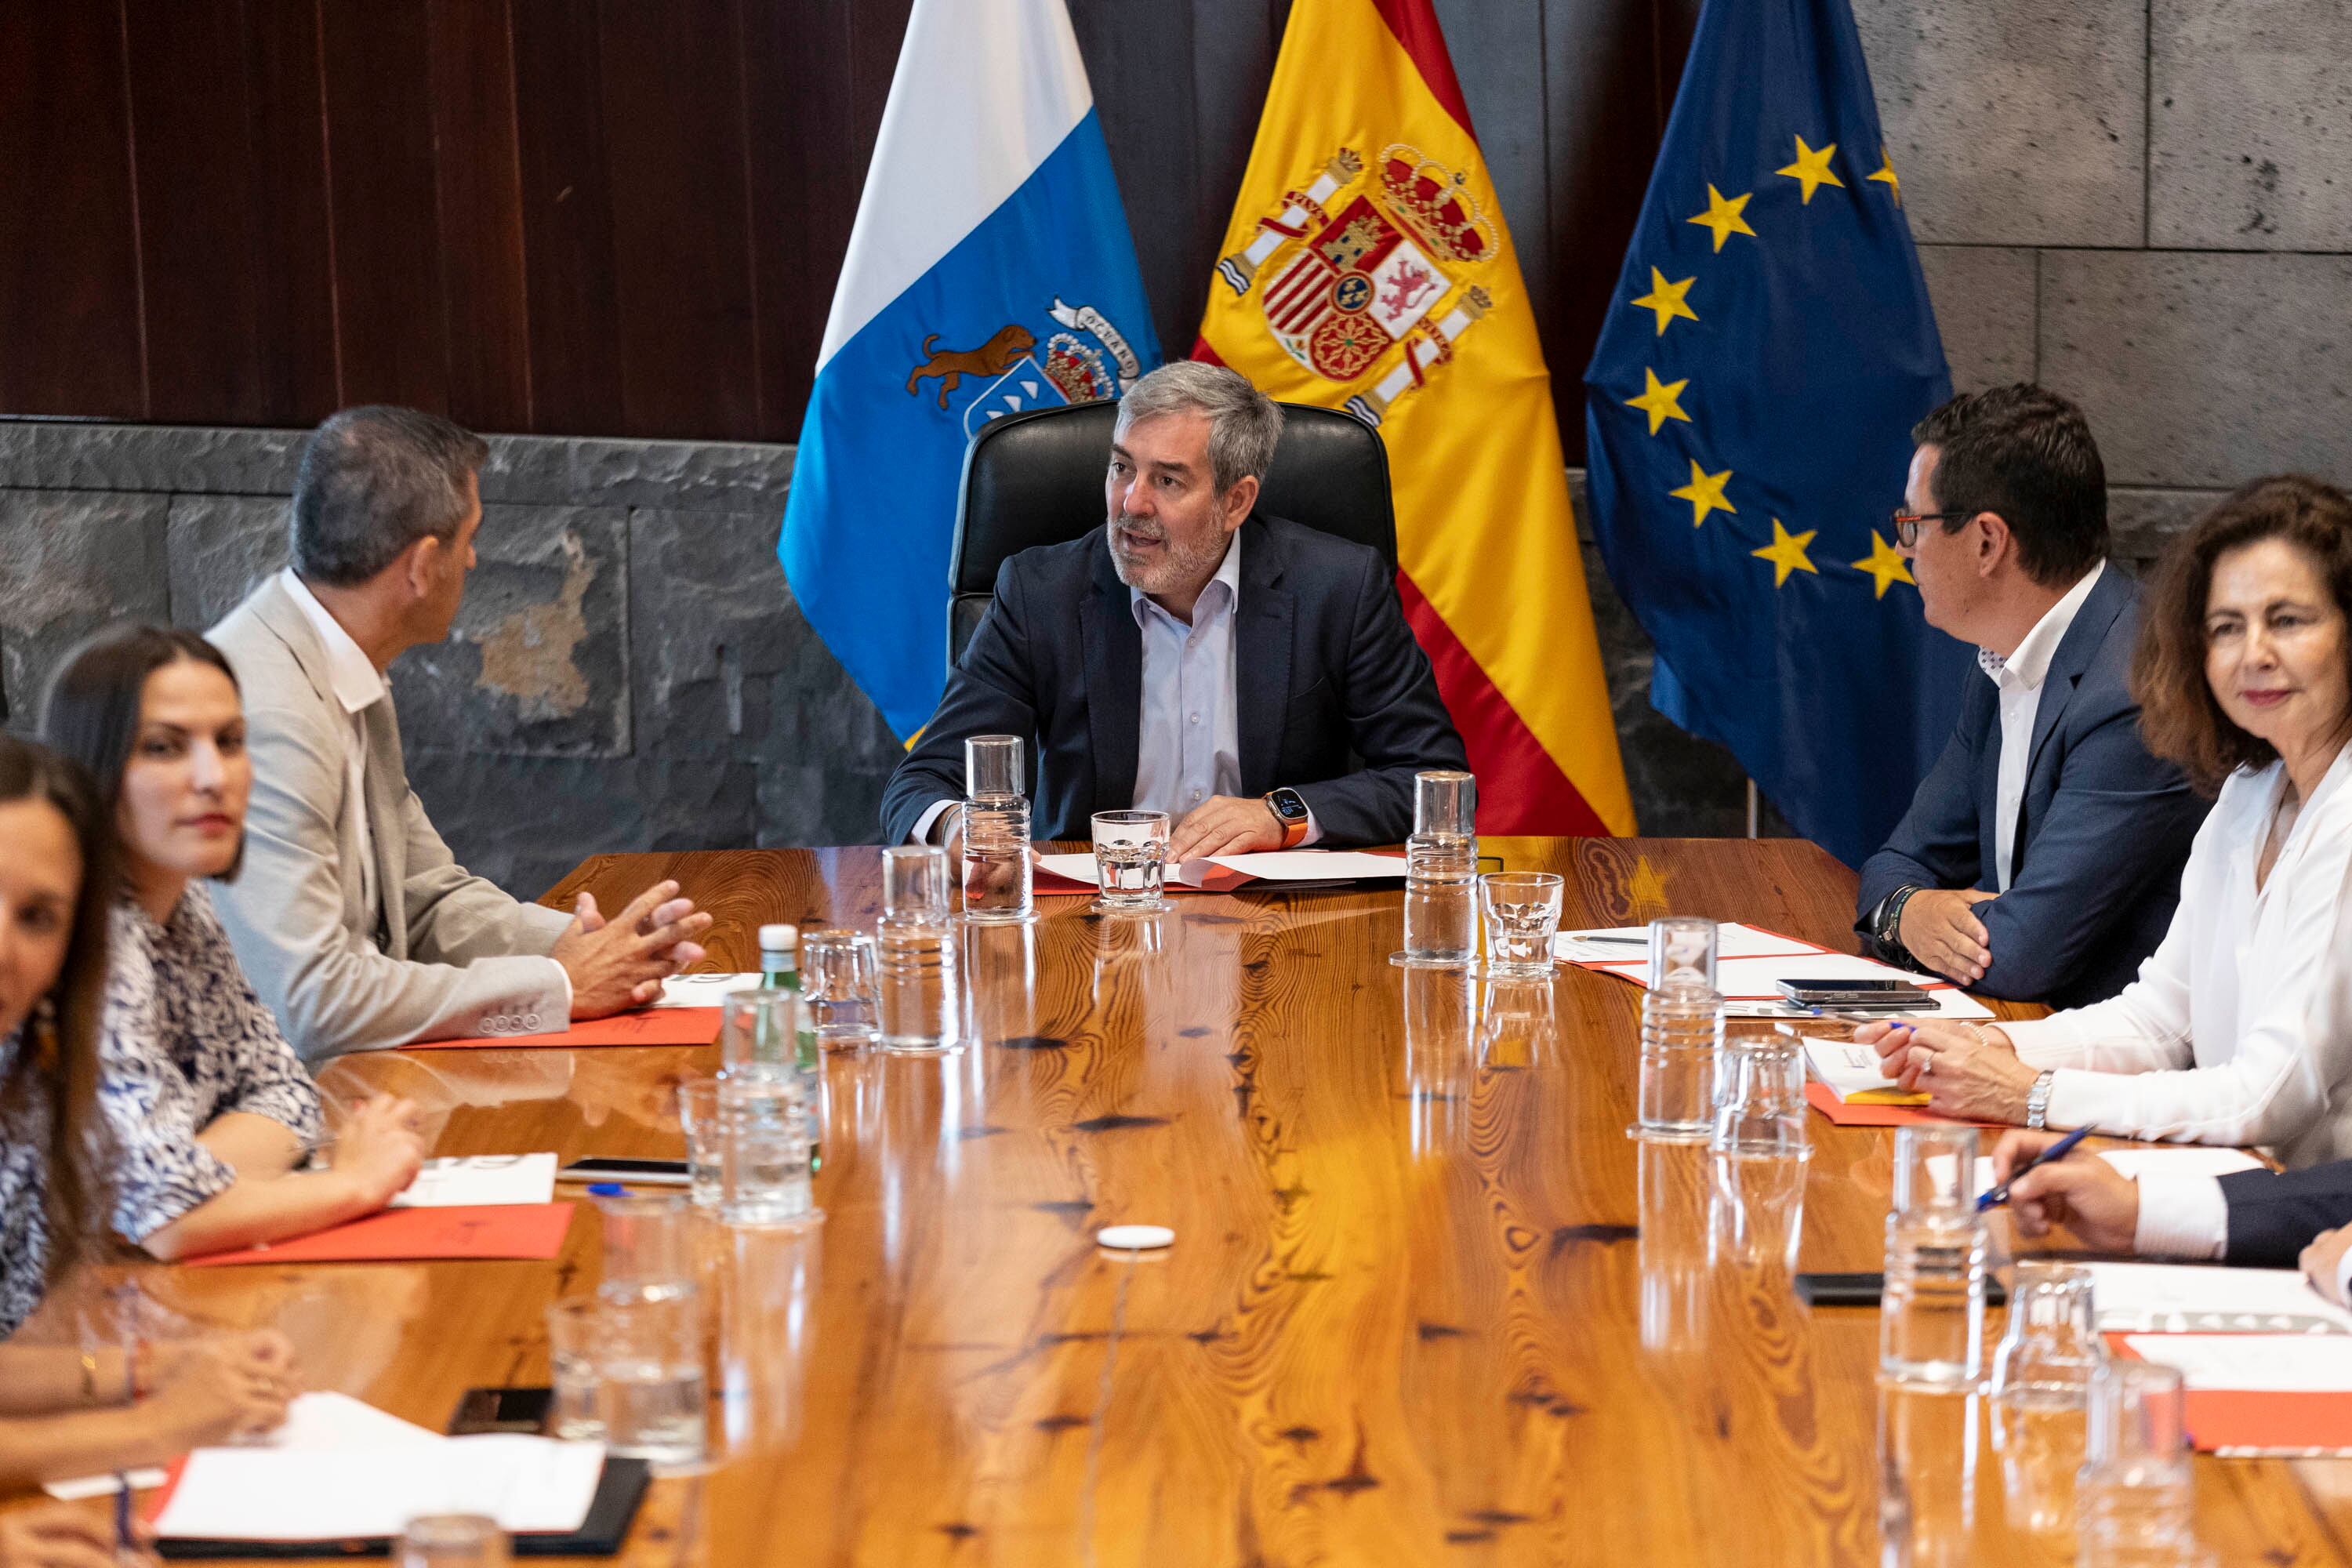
[[1258, 683], [351, 919]]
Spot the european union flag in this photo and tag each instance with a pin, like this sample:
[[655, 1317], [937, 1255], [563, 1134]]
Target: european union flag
[[1749, 407]]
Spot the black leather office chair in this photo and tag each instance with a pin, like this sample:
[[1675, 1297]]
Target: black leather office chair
[[1037, 479]]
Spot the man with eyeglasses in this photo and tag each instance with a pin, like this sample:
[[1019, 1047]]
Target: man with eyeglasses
[[2041, 858]]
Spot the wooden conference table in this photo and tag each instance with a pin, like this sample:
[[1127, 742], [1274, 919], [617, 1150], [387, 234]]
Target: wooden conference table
[[1427, 1303]]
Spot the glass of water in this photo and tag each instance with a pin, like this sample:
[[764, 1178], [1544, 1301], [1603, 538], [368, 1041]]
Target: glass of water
[[1131, 860], [1931, 1316], [697, 1115], [575, 1327], [1682, 951], [2040, 1388], [651, 1380], [1760, 1108], [648, 1247], [1522, 911], [451, 1541], [2136, 1499], [763, 1153], [760, 1031], [839, 990]]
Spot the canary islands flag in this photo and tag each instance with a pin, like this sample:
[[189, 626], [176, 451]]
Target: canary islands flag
[[1367, 266], [1749, 407], [990, 271]]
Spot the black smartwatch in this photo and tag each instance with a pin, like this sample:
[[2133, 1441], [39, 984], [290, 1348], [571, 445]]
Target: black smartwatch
[[1289, 808]]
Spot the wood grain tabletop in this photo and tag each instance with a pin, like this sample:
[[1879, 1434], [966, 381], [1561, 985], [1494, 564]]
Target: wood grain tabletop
[[1428, 1303]]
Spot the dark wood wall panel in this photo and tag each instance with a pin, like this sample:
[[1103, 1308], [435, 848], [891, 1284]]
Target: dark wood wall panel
[[608, 216], [384, 203], [69, 339]]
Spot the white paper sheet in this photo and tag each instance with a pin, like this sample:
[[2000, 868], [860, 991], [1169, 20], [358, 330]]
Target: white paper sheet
[[452, 1182], [1273, 866], [1750, 964], [319, 1422], [2260, 1363], [710, 990], [2137, 1162], [279, 1494], [1733, 938], [2188, 1297]]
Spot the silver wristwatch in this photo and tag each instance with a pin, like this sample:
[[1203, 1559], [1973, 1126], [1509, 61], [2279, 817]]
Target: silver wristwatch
[[2037, 1100]]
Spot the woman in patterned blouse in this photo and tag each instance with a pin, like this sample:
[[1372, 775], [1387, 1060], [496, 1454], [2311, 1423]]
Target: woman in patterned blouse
[[69, 1411], [212, 1110]]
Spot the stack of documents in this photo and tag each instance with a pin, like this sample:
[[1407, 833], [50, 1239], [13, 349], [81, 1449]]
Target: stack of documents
[[1223, 873], [316, 1423], [527, 1484], [456, 1180], [1751, 961]]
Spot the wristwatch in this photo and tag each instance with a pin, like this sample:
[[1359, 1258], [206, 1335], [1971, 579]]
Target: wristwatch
[[1289, 808], [2037, 1100]]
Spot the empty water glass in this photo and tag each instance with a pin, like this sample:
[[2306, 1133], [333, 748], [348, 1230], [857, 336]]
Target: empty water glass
[[651, 1380], [1522, 911], [1931, 1317], [697, 1117], [1760, 1110], [575, 1327], [763, 1153], [2040, 1387], [2135, 1502], [839, 990], [648, 1247], [1131, 860], [1682, 948], [760, 1032], [451, 1541]]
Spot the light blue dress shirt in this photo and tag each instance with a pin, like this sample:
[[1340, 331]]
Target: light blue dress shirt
[[1188, 749]]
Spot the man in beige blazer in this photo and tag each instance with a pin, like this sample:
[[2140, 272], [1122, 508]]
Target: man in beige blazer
[[351, 917]]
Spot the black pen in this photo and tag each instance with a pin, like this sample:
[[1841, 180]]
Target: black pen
[[2058, 1151]]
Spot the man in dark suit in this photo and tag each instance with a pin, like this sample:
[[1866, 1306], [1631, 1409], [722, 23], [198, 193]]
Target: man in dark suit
[[1252, 677], [2260, 1219], [2041, 858]]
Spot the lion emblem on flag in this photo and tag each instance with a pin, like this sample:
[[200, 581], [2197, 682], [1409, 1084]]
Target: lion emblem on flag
[[1358, 263]]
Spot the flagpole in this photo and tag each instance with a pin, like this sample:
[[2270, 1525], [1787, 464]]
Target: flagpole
[[1753, 808]]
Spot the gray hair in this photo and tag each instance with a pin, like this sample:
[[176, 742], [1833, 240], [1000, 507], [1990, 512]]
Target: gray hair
[[374, 482], [1243, 423]]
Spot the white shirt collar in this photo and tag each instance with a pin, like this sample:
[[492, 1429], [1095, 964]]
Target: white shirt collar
[[356, 682], [1229, 572], [2031, 661]]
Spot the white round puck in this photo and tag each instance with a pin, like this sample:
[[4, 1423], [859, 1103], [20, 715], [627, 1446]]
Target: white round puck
[[1135, 1238]]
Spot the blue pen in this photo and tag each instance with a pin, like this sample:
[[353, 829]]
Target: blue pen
[[2058, 1151], [607, 1190], [123, 1544]]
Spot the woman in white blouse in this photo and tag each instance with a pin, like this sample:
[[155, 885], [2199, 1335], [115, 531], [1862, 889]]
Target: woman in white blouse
[[211, 1110], [2239, 1029]]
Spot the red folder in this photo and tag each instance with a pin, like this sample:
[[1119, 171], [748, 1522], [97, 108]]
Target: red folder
[[2246, 1424], [490, 1230], [652, 1027]]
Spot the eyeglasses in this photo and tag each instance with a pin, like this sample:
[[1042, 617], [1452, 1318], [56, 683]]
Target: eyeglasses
[[1906, 523]]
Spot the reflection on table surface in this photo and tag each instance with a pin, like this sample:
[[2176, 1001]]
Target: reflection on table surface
[[1427, 1303]]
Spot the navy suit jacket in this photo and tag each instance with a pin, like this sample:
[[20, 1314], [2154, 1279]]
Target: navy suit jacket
[[2273, 1216], [2102, 833], [1334, 697]]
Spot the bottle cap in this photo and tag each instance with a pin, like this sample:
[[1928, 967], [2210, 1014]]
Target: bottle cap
[[1135, 1238], [779, 936]]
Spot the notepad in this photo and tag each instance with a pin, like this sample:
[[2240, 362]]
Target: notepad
[[2188, 1297], [1851, 1073], [458, 1182], [415, 1235], [527, 1484], [319, 1421]]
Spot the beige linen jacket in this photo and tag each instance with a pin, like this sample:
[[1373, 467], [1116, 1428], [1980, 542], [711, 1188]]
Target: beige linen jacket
[[443, 954]]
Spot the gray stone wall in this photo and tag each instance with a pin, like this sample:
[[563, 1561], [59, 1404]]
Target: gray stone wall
[[628, 670]]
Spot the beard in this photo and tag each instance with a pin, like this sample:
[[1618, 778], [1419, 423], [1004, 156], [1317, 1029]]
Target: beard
[[1176, 566]]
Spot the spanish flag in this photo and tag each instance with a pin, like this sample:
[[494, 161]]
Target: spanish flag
[[1368, 268]]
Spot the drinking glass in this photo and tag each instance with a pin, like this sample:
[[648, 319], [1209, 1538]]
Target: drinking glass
[[763, 1153], [1441, 873], [698, 1116], [2040, 1391], [839, 990], [915, 881], [1131, 860], [648, 1247], [575, 1327], [1931, 1316], [916, 953], [1681, 949], [996, 869], [2137, 1502], [650, 1379], [1761, 1098], [991, 767], [451, 1541], [1522, 911], [760, 1033], [1444, 802]]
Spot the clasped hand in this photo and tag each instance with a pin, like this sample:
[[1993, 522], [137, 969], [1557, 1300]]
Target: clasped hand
[[1940, 928], [618, 964], [1967, 1071]]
